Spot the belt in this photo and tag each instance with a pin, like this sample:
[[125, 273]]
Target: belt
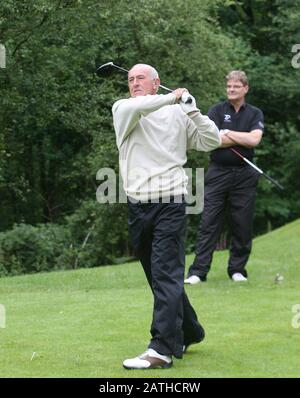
[[165, 199]]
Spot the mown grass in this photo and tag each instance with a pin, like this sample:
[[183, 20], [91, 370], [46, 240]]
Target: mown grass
[[83, 323]]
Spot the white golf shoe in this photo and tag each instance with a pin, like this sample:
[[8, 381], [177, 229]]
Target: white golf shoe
[[192, 280], [238, 277], [148, 360]]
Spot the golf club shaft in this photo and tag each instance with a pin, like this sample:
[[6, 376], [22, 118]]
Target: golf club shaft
[[257, 169], [118, 67]]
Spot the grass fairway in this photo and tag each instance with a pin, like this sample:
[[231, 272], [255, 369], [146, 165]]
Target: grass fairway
[[83, 323]]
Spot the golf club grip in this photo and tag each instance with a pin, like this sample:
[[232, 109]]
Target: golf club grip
[[186, 98]]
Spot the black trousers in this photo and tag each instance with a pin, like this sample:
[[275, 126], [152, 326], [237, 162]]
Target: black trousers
[[234, 187], [157, 231]]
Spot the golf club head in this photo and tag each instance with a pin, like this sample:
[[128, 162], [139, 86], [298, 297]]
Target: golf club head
[[105, 69]]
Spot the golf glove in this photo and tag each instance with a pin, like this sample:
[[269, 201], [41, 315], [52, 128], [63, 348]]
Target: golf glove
[[191, 107]]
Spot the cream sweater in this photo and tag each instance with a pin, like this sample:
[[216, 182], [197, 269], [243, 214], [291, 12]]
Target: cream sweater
[[153, 135]]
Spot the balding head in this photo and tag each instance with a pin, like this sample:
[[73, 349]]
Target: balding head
[[143, 79], [147, 69]]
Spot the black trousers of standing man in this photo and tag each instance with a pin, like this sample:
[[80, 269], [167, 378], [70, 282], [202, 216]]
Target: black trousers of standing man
[[234, 186], [157, 231]]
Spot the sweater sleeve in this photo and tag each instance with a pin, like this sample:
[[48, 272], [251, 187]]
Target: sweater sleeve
[[127, 112], [203, 134]]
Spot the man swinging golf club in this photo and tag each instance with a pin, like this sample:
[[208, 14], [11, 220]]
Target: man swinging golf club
[[153, 133]]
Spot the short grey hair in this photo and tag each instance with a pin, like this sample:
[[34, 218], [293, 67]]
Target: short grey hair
[[238, 75], [153, 71]]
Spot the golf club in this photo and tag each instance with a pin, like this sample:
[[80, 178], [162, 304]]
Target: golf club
[[106, 69]]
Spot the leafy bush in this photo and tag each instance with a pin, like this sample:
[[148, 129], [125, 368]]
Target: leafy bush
[[29, 249], [94, 235]]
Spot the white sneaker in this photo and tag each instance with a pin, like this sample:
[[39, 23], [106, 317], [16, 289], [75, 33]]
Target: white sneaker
[[150, 359], [192, 280], [237, 277]]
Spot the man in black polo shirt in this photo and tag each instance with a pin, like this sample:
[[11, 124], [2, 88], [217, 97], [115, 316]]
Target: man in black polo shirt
[[230, 181]]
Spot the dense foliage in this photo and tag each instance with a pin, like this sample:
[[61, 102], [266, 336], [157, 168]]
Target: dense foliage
[[56, 126]]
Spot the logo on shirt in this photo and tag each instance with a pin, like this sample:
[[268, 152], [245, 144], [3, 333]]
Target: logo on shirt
[[227, 118]]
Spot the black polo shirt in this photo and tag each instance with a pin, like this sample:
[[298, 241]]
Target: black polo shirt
[[248, 118]]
